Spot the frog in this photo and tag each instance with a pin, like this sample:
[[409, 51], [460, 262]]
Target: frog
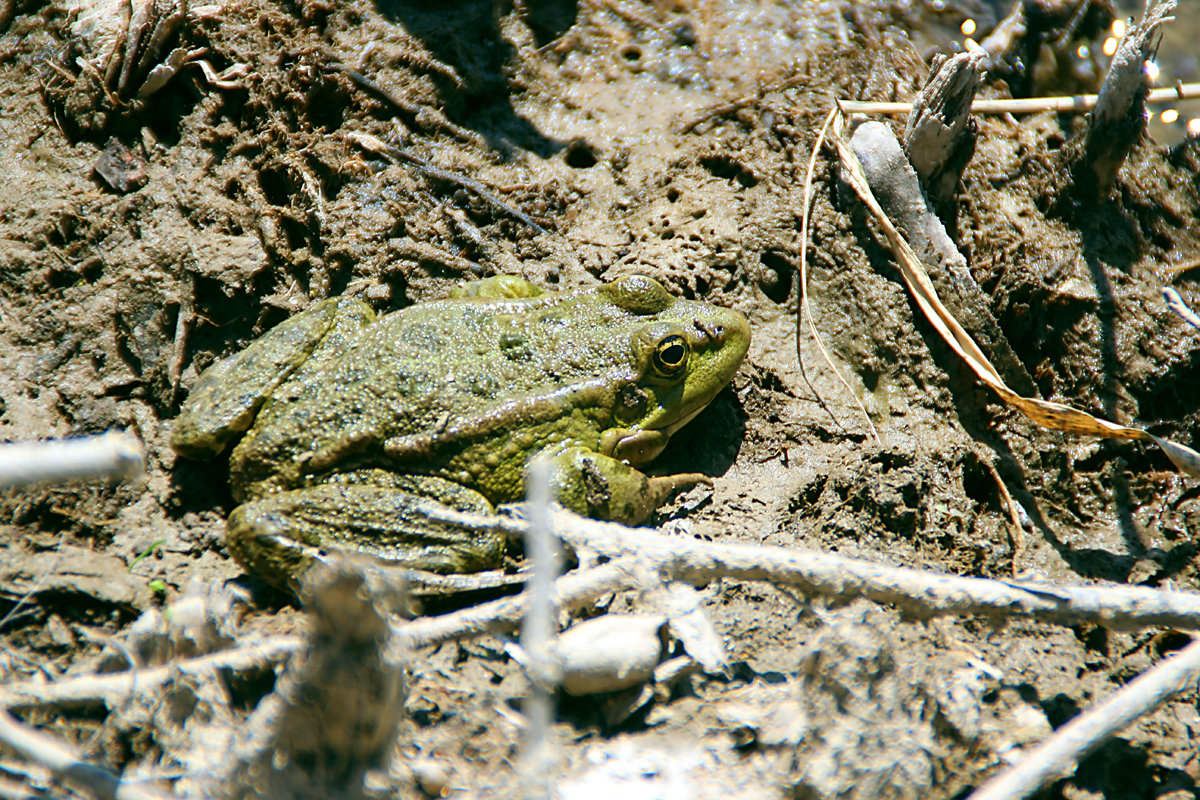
[[351, 431]]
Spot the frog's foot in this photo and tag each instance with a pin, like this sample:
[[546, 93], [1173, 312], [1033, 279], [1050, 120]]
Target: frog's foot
[[600, 486], [281, 536]]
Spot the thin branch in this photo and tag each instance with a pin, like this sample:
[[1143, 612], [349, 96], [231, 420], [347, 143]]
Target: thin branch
[[918, 593], [805, 310], [1016, 530], [721, 109], [1059, 755], [570, 591], [640, 555], [112, 689], [1176, 304], [1027, 105], [117, 454], [424, 116], [1183, 266], [64, 761], [396, 155]]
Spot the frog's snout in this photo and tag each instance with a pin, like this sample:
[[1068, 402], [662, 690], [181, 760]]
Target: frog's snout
[[733, 327], [711, 333]]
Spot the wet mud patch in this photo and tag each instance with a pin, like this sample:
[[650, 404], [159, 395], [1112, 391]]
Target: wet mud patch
[[669, 139]]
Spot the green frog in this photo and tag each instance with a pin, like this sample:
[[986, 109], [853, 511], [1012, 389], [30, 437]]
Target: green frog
[[351, 426]]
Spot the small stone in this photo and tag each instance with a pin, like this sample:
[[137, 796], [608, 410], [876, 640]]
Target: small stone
[[121, 168], [431, 775], [58, 631]]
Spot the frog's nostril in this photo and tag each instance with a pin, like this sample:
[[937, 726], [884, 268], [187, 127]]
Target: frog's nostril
[[713, 333]]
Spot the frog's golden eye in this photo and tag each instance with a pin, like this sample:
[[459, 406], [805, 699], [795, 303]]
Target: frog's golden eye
[[671, 354]]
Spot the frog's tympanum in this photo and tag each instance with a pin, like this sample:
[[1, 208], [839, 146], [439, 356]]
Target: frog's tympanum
[[351, 427]]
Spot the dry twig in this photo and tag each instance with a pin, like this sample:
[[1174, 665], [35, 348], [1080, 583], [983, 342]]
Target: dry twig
[[1053, 416], [376, 145], [1059, 755], [64, 762], [805, 310], [539, 752], [1026, 105], [1119, 119], [112, 689], [641, 554], [570, 591], [118, 454], [916, 592], [939, 138], [895, 185]]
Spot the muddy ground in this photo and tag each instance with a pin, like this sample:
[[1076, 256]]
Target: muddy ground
[[668, 138]]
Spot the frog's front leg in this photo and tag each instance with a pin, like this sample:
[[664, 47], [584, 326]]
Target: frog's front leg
[[389, 517], [602, 487], [225, 400]]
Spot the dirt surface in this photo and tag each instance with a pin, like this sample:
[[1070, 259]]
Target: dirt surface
[[669, 139]]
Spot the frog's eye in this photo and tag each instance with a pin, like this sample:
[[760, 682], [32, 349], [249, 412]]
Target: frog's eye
[[671, 355]]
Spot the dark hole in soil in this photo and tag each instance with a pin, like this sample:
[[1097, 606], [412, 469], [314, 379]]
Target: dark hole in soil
[[326, 102], [278, 185], [1172, 395], [977, 481], [775, 277], [727, 168], [549, 19], [62, 278], [580, 155], [246, 689]]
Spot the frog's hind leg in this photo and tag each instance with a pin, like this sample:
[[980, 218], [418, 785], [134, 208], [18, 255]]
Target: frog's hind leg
[[225, 400], [392, 518]]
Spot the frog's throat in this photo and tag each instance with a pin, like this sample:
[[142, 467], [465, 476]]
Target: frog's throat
[[669, 429]]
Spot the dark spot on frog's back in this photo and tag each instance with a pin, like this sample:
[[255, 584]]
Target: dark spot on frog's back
[[422, 337], [515, 346], [595, 487], [484, 386]]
